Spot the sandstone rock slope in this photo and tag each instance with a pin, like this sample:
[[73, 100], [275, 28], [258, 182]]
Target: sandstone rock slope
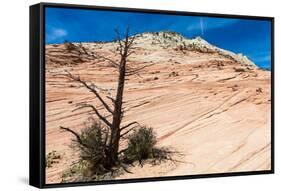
[[209, 104]]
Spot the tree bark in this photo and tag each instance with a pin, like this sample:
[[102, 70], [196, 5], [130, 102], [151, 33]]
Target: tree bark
[[117, 114]]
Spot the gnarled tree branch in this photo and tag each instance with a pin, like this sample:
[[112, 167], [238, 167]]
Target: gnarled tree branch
[[125, 133], [93, 90], [79, 140], [112, 62], [130, 124], [81, 106], [133, 71]]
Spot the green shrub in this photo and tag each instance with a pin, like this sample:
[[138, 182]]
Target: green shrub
[[93, 148], [140, 145], [91, 143]]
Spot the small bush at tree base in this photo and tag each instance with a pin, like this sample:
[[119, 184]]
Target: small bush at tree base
[[141, 146], [91, 143], [92, 159]]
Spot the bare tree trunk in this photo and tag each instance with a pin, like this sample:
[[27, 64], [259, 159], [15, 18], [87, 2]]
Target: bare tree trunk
[[117, 114]]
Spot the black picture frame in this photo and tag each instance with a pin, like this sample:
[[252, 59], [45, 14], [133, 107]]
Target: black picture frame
[[37, 95]]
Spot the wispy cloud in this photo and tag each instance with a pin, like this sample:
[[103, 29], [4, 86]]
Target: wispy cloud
[[204, 24], [55, 34], [262, 57]]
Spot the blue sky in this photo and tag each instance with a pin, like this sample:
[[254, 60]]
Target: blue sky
[[250, 37]]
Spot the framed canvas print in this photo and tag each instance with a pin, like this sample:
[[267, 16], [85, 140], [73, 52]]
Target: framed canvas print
[[121, 95]]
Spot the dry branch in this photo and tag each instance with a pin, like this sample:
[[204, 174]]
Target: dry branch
[[133, 71], [93, 90], [131, 129], [130, 124], [76, 135], [81, 106]]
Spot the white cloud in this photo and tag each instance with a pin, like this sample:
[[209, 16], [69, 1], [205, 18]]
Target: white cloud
[[55, 34], [59, 32]]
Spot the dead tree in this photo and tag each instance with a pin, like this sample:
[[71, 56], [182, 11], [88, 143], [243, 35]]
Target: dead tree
[[115, 109]]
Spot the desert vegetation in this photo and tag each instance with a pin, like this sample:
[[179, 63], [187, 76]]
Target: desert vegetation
[[52, 158], [99, 142]]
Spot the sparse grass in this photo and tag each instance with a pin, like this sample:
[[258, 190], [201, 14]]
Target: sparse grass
[[239, 69], [151, 79], [173, 74], [259, 90], [73, 172], [52, 158], [69, 46], [155, 72]]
